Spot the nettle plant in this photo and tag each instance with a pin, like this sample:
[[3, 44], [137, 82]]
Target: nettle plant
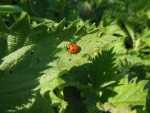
[[39, 75]]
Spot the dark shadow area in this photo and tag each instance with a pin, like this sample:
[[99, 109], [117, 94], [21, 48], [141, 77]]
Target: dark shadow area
[[77, 92], [137, 71], [73, 94], [77, 74], [19, 92], [137, 107], [148, 102], [75, 102]]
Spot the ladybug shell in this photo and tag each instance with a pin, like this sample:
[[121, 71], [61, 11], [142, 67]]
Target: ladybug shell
[[73, 48]]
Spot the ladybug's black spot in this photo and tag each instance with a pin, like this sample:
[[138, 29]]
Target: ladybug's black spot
[[68, 48], [72, 49], [10, 71]]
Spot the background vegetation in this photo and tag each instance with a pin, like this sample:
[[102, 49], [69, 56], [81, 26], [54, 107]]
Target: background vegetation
[[110, 74]]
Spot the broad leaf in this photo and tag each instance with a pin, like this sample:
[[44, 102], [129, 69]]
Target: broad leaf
[[18, 33], [10, 9], [102, 69], [131, 92], [35, 64]]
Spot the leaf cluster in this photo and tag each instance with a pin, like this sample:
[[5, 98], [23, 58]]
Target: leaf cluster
[[110, 73]]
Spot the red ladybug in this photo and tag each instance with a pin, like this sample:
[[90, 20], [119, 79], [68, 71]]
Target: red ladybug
[[73, 48]]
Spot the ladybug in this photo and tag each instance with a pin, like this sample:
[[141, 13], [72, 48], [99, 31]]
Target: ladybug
[[73, 48]]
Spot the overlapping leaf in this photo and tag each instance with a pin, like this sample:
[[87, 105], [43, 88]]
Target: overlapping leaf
[[34, 65], [130, 92], [102, 69]]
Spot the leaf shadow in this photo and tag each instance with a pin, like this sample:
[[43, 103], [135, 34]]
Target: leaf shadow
[[19, 84]]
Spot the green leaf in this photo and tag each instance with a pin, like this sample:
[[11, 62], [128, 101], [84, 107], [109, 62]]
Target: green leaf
[[21, 83], [131, 92], [109, 107], [39, 19], [36, 34], [111, 26], [144, 39], [130, 31], [87, 91], [60, 26], [35, 66], [72, 28], [23, 57], [18, 33], [121, 108], [4, 31], [119, 47], [10, 9], [102, 68]]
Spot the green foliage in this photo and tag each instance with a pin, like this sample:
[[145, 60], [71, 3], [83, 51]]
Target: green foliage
[[10, 9], [128, 93], [110, 73], [18, 32], [133, 16], [3, 37], [33, 62], [102, 69], [126, 89]]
